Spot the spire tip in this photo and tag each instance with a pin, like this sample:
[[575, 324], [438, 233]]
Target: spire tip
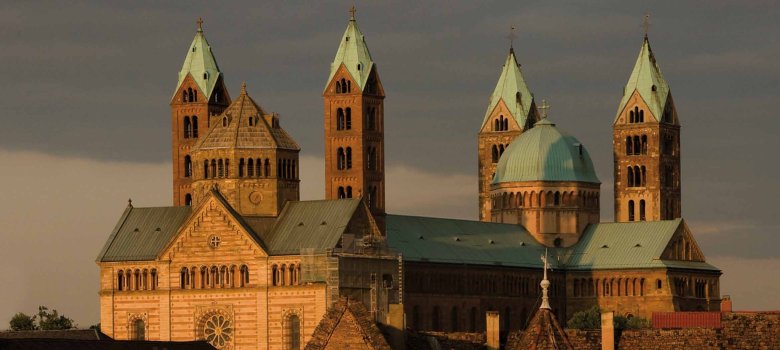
[[352, 11], [200, 24]]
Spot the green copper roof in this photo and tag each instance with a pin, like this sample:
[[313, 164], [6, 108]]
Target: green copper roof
[[627, 245], [141, 233], [510, 83], [545, 153], [316, 225], [200, 62], [646, 78], [353, 53], [462, 241]]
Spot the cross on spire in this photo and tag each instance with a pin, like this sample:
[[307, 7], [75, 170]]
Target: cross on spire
[[200, 24], [511, 36], [543, 108], [352, 11], [646, 23]]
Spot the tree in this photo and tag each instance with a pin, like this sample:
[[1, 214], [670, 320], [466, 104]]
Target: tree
[[52, 320], [23, 322]]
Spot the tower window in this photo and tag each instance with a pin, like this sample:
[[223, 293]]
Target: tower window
[[359, 66], [642, 210], [187, 128], [631, 210], [205, 169], [250, 168], [629, 146], [348, 119], [340, 159], [630, 177], [241, 167], [340, 120], [194, 126], [349, 191], [206, 76], [495, 154], [338, 87], [188, 199], [349, 157], [644, 144], [342, 193], [187, 166], [267, 167]]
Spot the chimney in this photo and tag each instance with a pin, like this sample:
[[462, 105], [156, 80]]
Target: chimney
[[725, 304], [493, 330], [607, 331]]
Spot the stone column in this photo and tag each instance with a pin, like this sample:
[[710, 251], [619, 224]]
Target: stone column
[[493, 330]]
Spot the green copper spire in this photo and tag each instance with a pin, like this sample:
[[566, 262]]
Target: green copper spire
[[201, 64], [353, 53], [511, 88], [646, 78]]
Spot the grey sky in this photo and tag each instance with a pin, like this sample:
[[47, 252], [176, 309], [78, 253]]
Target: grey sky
[[90, 82]]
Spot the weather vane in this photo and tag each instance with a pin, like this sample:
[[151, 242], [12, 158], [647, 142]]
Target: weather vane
[[511, 36], [543, 108], [646, 23]]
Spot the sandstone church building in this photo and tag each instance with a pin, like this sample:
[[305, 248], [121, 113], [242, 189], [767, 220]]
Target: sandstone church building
[[242, 262]]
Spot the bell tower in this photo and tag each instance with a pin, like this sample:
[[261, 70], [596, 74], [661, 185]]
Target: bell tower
[[199, 96], [354, 124], [646, 146], [511, 111]]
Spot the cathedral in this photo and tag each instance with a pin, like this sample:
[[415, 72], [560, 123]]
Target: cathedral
[[241, 262]]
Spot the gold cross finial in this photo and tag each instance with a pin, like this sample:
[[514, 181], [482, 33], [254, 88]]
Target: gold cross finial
[[544, 108], [511, 36], [200, 24], [243, 88], [646, 23], [352, 11]]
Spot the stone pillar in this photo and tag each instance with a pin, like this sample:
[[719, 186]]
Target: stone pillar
[[607, 331], [396, 322], [493, 330]]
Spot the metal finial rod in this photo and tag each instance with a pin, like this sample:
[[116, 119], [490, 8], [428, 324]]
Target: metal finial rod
[[352, 11], [545, 284], [646, 23], [200, 24], [511, 36], [243, 88]]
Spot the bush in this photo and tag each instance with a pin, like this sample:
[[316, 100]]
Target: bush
[[591, 319]]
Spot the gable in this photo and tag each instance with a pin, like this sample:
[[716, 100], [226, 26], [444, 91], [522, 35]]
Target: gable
[[683, 247], [347, 325], [342, 73], [213, 219], [502, 110], [373, 83], [636, 100]]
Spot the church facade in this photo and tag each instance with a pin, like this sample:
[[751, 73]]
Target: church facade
[[241, 262]]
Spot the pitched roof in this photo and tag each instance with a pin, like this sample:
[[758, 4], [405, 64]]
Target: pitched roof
[[627, 245], [68, 344], [200, 62], [353, 53], [462, 241], [545, 153], [240, 134], [344, 317], [74, 334], [141, 233], [543, 333], [510, 83], [646, 78], [314, 225]]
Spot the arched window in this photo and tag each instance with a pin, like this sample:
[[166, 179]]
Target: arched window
[[644, 144], [496, 125], [294, 327], [557, 199], [241, 167], [339, 119], [340, 159], [630, 177], [638, 178], [644, 176], [641, 116], [658, 284], [349, 86], [631, 117], [348, 119], [500, 150], [495, 154], [120, 280], [342, 193], [629, 148], [187, 128], [343, 85], [213, 171], [267, 167], [251, 120], [371, 119], [184, 96], [259, 167], [187, 166], [244, 276], [184, 277], [188, 199], [206, 169], [631, 210], [138, 330], [435, 324], [195, 94], [195, 126], [349, 157], [227, 167], [220, 168], [338, 87], [454, 319], [204, 276], [191, 97], [250, 168], [349, 191], [637, 145], [275, 275]]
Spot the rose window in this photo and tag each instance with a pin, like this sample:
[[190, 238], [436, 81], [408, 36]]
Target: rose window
[[218, 331]]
